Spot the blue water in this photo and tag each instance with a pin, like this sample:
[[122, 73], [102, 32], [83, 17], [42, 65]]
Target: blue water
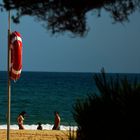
[[42, 93]]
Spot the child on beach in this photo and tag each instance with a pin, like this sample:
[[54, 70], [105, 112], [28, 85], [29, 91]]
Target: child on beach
[[20, 119], [56, 121], [39, 127]]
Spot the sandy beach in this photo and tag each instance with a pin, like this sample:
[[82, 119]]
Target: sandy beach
[[35, 135]]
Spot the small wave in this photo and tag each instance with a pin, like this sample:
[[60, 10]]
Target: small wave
[[34, 127]]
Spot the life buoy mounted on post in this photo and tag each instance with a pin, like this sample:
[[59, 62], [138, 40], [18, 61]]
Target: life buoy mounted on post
[[16, 55]]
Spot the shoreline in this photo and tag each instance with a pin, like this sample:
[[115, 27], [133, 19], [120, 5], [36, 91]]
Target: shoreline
[[34, 127], [35, 134]]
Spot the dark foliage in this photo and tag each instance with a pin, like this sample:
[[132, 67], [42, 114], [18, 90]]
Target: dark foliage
[[113, 115], [70, 15]]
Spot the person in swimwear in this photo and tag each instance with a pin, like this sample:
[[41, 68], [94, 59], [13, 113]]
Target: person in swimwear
[[20, 119], [56, 121]]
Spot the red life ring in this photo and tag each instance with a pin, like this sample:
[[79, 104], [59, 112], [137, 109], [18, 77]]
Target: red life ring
[[16, 55]]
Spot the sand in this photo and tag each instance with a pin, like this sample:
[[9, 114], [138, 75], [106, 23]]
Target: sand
[[35, 135]]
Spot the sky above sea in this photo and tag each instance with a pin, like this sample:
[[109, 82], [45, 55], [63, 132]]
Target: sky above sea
[[115, 47]]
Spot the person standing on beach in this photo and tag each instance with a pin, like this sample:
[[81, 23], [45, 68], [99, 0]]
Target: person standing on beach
[[20, 119], [56, 121]]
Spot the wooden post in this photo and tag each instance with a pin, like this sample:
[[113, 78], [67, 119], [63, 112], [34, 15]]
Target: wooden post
[[9, 82]]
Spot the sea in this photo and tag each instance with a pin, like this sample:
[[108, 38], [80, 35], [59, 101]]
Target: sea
[[42, 93]]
